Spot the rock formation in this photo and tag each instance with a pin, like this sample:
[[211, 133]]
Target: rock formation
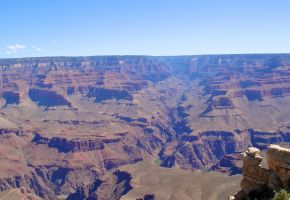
[[259, 180], [113, 186], [278, 159]]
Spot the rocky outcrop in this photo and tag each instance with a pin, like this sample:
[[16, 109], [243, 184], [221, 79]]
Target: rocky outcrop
[[102, 94], [253, 95], [278, 159], [258, 180], [230, 163], [204, 149], [17, 132], [222, 102], [113, 186], [47, 98], [254, 176], [65, 145], [261, 139], [11, 97], [31, 182]]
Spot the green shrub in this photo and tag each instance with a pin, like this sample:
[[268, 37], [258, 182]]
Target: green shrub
[[282, 195]]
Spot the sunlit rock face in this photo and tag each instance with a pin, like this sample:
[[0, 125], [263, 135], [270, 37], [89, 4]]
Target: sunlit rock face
[[83, 116], [278, 159], [259, 180]]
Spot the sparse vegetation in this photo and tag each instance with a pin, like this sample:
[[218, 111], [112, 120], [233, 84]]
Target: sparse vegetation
[[205, 170], [282, 195], [158, 162]]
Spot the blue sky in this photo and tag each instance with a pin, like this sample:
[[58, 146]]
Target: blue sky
[[148, 27]]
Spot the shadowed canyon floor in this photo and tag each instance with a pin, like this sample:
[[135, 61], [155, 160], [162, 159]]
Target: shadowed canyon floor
[[66, 124]]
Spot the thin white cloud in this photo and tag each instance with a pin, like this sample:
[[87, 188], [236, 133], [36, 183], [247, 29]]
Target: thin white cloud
[[53, 42], [14, 48], [37, 49]]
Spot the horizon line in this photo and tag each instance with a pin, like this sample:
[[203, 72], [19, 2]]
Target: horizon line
[[144, 55]]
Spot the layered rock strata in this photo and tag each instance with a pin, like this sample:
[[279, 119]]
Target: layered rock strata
[[66, 118], [257, 179]]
